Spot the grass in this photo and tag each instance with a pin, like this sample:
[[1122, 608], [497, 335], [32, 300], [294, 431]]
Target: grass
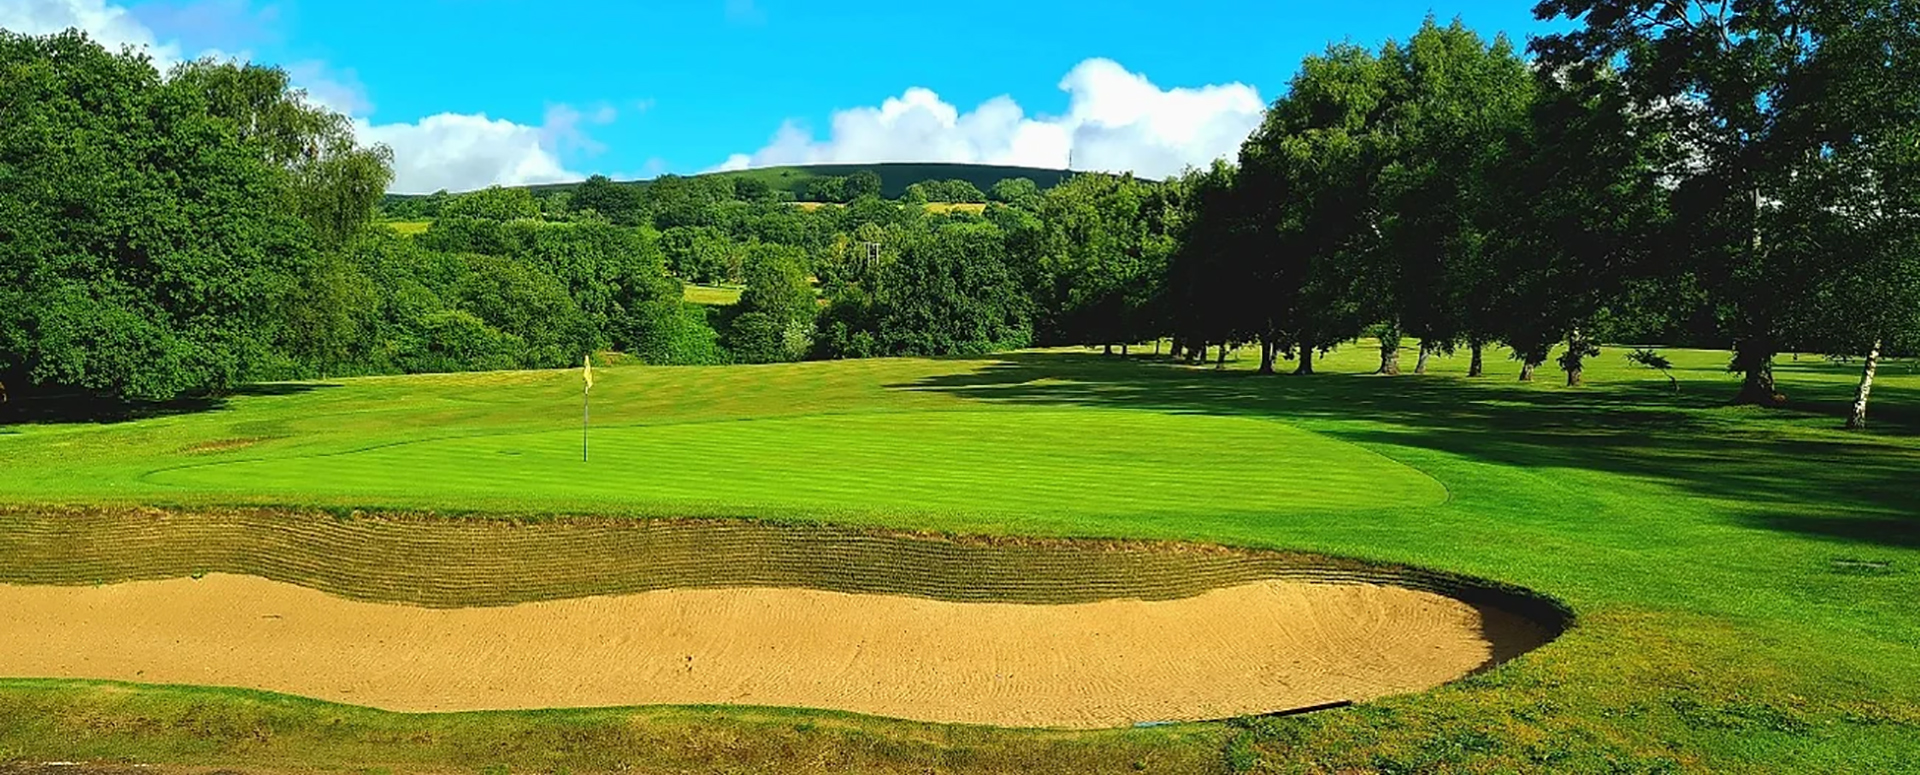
[[1744, 578], [409, 228], [975, 208], [712, 295]]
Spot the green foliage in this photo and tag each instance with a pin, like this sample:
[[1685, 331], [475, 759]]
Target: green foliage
[[458, 340], [701, 254], [951, 291], [777, 308], [1646, 356], [1017, 192], [616, 202], [1768, 96], [948, 191], [757, 337], [671, 332], [1100, 268], [493, 204], [527, 305], [147, 244]]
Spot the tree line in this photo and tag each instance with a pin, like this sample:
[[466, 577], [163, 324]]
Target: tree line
[[1731, 174], [1738, 175]]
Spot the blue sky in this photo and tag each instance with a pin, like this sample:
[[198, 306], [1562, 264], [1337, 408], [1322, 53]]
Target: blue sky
[[633, 89]]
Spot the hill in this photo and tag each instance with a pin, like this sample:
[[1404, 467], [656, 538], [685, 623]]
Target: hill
[[894, 177]]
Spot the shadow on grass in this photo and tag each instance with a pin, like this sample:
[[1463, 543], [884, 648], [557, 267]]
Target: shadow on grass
[[87, 408], [1846, 488]]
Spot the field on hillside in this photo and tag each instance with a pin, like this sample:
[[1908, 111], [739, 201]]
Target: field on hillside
[[711, 295], [1742, 578], [975, 208], [409, 228]]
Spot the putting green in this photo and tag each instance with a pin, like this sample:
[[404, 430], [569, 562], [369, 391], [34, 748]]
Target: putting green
[[984, 461]]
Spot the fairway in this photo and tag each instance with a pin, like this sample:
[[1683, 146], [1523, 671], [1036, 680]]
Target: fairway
[[985, 461], [1726, 617]]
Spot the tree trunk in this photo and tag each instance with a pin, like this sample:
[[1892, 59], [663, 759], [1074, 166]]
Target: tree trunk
[[1576, 362], [1267, 349], [1389, 359], [1526, 370], [1306, 361], [1109, 350], [1123, 350], [1858, 420], [1156, 347], [1222, 362], [1426, 352], [1756, 362], [1753, 357], [1479, 366]]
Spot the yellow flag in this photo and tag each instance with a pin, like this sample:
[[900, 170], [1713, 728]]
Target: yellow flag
[[587, 372]]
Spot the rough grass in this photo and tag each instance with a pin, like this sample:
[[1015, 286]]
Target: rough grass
[[975, 208], [711, 295], [409, 228], [1744, 578], [459, 562]]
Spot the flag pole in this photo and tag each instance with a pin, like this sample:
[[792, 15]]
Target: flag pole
[[586, 402]]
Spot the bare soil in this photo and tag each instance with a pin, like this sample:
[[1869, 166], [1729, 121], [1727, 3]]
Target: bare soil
[[1246, 649]]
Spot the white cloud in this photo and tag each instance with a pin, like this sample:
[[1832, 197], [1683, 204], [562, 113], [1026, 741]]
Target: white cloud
[[111, 25], [461, 152], [339, 92], [455, 151], [1116, 121]]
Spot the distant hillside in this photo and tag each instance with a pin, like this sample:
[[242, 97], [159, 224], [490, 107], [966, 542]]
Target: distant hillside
[[894, 177]]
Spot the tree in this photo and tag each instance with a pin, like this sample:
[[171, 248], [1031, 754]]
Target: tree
[[1454, 101], [1017, 192], [1307, 175], [1584, 193], [618, 203], [951, 291], [945, 191], [825, 189], [671, 332], [1756, 88], [336, 184], [1108, 243], [752, 189], [493, 203], [777, 309], [532, 306], [861, 184], [1211, 295], [147, 247], [1857, 213]]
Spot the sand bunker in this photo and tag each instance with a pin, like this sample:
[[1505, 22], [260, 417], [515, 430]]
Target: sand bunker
[[1249, 648]]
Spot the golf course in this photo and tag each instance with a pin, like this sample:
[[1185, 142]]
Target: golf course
[[1489, 387], [1717, 616]]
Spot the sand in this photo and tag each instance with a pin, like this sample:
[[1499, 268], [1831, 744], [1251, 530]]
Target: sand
[[1245, 649]]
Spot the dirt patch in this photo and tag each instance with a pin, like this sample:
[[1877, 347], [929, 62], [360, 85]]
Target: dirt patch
[[1242, 649]]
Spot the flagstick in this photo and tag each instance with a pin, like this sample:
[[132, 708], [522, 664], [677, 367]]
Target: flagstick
[[586, 418]]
